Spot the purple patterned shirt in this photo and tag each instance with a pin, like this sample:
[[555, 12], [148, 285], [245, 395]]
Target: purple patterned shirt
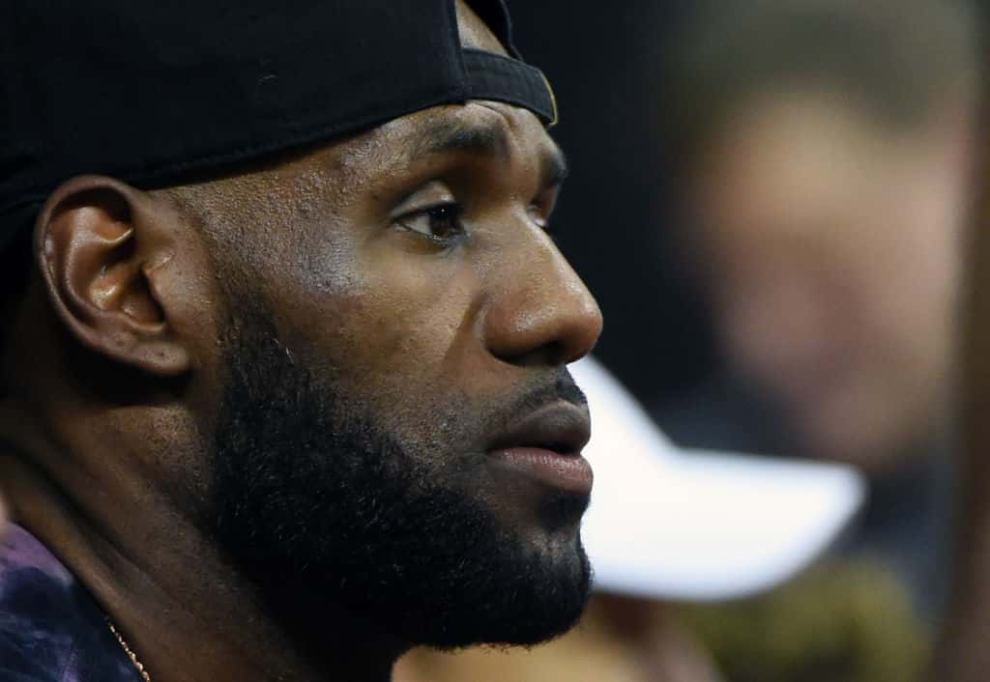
[[51, 630]]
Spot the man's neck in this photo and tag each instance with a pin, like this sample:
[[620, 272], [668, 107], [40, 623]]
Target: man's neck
[[187, 614]]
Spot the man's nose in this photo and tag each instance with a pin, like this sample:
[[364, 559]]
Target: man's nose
[[541, 313]]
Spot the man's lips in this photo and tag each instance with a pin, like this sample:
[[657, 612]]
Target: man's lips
[[546, 446]]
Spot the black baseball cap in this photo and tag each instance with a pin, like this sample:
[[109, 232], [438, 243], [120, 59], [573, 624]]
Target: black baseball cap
[[152, 92]]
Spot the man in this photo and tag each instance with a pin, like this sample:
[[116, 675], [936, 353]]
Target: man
[[825, 147], [825, 155], [284, 390]]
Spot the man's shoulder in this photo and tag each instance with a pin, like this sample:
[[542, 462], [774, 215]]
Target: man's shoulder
[[50, 627]]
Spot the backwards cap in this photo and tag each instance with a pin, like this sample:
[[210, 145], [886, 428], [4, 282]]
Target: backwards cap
[[150, 92]]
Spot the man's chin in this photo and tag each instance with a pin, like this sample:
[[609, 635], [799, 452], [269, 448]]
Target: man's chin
[[544, 601]]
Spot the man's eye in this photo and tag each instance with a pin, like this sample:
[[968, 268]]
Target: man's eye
[[440, 223]]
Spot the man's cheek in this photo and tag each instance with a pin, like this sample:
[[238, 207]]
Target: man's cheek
[[397, 370]]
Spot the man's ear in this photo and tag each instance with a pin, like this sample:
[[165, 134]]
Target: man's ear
[[101, 245]]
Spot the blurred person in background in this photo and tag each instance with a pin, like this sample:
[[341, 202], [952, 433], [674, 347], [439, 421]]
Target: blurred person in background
[[822, 150]]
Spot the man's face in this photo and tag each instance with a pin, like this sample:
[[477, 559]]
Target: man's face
[[831, 250], [398, 433]]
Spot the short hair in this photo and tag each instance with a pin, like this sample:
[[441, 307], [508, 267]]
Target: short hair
[[894, 60]]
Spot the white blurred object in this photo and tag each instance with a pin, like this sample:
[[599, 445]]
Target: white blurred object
[[699, 526]]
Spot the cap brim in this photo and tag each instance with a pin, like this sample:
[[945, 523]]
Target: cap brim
[[699, 526]]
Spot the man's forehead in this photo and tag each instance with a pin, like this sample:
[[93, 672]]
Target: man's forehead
[[484, 129], [491, 130]]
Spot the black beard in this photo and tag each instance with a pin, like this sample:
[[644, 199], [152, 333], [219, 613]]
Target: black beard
[[326, 512]]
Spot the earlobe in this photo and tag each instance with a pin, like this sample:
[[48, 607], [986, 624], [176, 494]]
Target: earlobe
[[99, 244]]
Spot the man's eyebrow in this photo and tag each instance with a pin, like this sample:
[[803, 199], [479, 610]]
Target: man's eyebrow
[[484, 139], [445, 137]]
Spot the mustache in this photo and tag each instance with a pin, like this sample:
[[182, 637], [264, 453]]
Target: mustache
[[555, 387]]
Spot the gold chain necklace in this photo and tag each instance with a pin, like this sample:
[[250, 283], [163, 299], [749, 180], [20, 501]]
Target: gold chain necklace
[[130, 652]]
